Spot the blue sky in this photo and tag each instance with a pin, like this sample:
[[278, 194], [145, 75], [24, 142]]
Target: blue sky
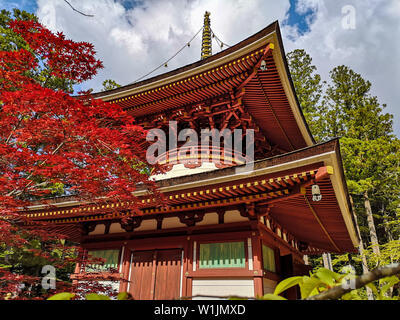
[[301, 20], [132, 37], [27, 5]]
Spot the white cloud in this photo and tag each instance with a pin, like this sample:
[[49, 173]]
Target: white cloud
[[303, 6], [133, 42]]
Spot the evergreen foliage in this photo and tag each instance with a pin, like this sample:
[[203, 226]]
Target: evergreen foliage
[[344, 107]]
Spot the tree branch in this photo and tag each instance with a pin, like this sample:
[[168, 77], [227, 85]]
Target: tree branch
[[84, 14], [15, 191], [15, 128], [376, 274]]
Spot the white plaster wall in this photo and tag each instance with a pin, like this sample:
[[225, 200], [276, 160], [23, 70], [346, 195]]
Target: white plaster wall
[[116, 228], [179, 170], [222, 287], [100, 229], [233, 216], [150, 224], [172, 222], [209, 218]]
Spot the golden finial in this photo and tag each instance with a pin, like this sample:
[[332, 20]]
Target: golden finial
[[206, 49]]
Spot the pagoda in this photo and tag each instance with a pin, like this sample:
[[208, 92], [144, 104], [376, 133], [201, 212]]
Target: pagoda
[[225, 231]]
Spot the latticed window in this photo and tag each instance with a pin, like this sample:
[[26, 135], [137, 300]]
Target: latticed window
[[222, 255], [268, 258], [110, 258]]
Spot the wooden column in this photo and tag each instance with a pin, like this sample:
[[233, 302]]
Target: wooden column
[[125, 269], [187, 265], [257, 265], [77, 271], [78, 266], [191, 261]]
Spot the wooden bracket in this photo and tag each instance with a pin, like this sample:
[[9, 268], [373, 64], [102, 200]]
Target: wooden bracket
[[191, 219], [131, 223]]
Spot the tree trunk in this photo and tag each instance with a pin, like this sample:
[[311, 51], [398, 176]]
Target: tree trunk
[[370, 295], [326, 257], [390, 238], [371, 225]]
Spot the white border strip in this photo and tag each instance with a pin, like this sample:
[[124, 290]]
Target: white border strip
[[250, 253], [129, 276], [121, 261], [194, 254], [180, 293]]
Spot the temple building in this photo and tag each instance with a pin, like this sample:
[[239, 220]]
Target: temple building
[[225, 231]]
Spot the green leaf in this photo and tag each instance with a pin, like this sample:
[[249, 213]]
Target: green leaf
[[287, 283], [352, 295], [310, 287], [270, 296], [123, 296], [95, 296], [390, 282], [327, 276], [373, 288], [62, 296]]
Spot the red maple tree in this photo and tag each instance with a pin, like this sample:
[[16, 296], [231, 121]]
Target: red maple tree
[[50, 140]]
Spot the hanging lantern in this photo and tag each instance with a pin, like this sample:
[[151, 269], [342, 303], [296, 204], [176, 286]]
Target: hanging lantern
[[263, 66], [316, 193]]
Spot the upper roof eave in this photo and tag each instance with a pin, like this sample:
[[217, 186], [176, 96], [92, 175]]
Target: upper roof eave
[[190, 68], [271, 33]]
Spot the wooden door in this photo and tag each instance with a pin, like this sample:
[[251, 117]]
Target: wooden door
[[156, 274], [168, 274], [141, 275]]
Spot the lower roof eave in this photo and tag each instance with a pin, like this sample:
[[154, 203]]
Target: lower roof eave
[[327, 153]]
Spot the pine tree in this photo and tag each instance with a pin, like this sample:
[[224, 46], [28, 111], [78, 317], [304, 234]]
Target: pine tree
[[370, 151], [368, 142], [308, 86]]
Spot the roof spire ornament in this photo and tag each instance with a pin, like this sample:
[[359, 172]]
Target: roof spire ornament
[[206, 49]]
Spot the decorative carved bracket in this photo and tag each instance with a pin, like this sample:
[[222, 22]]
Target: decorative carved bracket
[[191, 219], [131, 223], [221, 214], [248, 211], [263, 211], [243, 212], [88, 227], [303, 246], [159, 222]]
